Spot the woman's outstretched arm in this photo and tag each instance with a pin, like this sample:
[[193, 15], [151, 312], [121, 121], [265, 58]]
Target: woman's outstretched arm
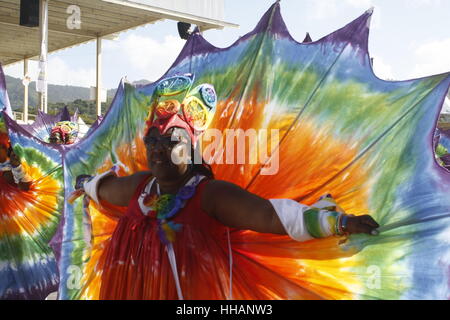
[[238, 208]]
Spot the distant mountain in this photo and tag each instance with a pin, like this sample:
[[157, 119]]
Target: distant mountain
[[142, 82], [56, 93], [111, 92]]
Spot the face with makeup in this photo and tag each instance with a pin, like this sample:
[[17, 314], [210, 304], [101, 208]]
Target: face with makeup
[[168, 154]]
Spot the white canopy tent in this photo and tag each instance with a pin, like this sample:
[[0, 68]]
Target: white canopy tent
[[67, 23], [83, 128], [444, 118], [446, 107]]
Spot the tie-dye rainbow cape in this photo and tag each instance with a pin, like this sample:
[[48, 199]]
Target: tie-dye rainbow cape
[[342, 130], [28, 219]]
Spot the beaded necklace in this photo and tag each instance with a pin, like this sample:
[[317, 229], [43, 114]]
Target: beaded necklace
[[165, 207]]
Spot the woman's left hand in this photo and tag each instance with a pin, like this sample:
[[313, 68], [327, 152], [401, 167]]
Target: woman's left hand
[[362, 224]]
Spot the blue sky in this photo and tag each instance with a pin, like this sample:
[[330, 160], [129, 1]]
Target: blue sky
[[408, 39]]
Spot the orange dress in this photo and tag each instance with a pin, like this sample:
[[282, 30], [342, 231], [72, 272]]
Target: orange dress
[[210, 259], [136, 264]]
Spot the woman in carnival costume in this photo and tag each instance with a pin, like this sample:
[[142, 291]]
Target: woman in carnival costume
[[11, 171], [170, 242]]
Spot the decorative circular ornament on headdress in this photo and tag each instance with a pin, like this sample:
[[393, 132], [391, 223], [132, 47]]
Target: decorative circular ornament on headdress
[[199, 106], [173, 85], [209, 95], [196, 113], [166, 108]]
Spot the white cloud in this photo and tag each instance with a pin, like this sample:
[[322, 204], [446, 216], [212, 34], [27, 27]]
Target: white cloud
[[326, 9], [421, 3], [376, 18], [16, 70], [432, 58], [148, 56], [364, 4], [108, 45], [62, 73], [381, 69], [144, 58], [58, 72], [322, 10]]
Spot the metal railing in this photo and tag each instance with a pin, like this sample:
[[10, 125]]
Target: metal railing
[[19, 116]]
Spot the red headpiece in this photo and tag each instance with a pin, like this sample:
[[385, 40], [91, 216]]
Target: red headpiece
[[175, 105]]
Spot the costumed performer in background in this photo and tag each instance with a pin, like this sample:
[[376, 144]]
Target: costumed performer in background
[[11, 171]]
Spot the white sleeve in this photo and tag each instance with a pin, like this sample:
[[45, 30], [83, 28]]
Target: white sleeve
[[320, 220], [91, 187], [291, 216]]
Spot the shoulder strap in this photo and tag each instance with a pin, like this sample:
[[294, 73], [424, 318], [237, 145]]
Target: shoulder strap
[[141, 186]]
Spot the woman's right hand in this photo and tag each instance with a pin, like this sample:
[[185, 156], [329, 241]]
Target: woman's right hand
[[14, 159]]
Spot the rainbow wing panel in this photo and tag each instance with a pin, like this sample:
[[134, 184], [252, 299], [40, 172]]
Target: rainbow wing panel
[[29, 220], [337, 129]]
